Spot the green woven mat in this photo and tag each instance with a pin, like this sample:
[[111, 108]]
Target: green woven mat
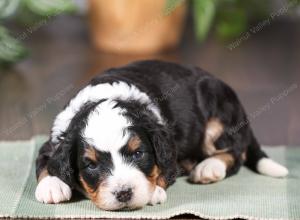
[[246, 195]]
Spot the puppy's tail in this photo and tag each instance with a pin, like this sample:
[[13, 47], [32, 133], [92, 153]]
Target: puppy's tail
[[258, 161]]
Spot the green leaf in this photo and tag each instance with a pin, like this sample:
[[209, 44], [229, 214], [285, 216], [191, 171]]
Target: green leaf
[[8, 7], [11, 50], [231, 23], [204, 12], [50, 7]]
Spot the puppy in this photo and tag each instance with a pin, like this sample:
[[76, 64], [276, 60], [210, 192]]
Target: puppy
[[125, 137]]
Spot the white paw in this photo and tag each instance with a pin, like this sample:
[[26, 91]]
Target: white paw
[[52, 190], [159, 196], [269, 167], [208, 171]]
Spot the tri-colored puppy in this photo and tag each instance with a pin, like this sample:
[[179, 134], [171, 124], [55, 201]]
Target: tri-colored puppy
[[125, 137]]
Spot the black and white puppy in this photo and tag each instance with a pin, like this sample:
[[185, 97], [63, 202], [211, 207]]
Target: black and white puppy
[[125, 137]]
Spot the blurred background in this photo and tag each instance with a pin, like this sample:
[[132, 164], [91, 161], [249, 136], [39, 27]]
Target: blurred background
[[49, 49]]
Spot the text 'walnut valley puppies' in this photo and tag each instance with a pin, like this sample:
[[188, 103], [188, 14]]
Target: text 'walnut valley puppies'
[[125, 137]]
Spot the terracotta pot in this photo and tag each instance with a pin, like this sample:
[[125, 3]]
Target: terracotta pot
[[135, 26]]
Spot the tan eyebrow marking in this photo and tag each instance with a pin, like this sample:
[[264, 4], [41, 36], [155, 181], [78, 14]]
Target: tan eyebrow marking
[[134, 143], [91, 153]]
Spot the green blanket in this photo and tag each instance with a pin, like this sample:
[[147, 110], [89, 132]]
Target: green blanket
[[246, 195]]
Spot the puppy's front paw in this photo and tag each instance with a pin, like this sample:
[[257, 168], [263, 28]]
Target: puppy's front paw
[[52, 190], [159, 196], [208, 171]]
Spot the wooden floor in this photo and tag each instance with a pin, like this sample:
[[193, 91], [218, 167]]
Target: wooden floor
[[264, 70]]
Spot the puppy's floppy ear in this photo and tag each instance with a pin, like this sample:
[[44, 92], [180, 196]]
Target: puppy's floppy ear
[[62, 162], [165, 152]]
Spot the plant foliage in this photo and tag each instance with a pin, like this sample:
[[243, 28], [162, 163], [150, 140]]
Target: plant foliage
[[27, 12], [227, 18]]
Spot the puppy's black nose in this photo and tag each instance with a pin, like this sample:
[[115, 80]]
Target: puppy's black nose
[[124, 195]]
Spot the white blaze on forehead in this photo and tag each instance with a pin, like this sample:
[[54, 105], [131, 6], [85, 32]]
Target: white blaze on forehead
[[106, 127], [117, 90]]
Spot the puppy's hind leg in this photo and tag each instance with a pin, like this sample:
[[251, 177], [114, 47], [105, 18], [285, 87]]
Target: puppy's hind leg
[[223, 156]]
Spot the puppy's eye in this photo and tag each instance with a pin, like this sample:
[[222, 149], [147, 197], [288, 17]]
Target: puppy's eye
[[138, 155], [91, 165]]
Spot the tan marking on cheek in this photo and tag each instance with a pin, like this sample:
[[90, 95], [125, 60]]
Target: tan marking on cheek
[[152, 178], [43, 174], [95, 195], [161, 181], [214, 129], [91, 153], [134, 143], [92, 194], [156, 178], [226, 158]]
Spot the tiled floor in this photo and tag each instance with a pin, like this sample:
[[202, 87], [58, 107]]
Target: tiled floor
[[62, 60]]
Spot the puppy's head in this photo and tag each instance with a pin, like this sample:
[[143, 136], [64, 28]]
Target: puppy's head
[[120, 156], [121, 177]]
